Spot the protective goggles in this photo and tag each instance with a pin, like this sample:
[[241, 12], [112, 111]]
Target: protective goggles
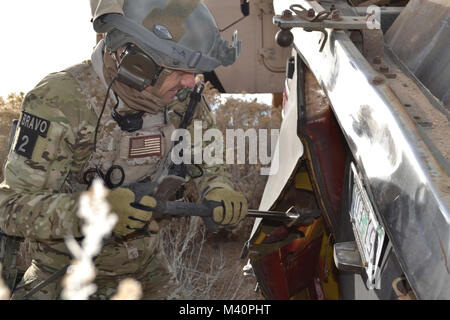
[[139, 71], [120, 28]]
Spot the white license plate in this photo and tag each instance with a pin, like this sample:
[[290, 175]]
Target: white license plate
[[368, 232]]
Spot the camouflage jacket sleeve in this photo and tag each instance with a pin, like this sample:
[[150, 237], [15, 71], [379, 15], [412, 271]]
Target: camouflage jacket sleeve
[[51, 140], [209, 176]]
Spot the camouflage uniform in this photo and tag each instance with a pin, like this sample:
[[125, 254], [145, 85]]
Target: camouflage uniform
[[52, 149]]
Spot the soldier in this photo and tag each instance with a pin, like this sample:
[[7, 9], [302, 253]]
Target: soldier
[[115, 111]]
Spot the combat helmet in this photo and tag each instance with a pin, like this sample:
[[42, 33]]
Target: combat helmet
[[176, 34]]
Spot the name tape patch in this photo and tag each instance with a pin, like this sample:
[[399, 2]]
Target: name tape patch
[[30, 127], [33, 123]]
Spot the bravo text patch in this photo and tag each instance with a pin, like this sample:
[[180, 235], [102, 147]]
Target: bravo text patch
[[30, 128], [33, 123]]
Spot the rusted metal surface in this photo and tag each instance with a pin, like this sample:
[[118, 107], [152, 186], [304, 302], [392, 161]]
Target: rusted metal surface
[[343, 23], [405, 179], [309, 21], [373, 41], [374, 3]]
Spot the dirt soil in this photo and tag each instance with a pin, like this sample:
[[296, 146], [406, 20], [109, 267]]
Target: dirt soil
[[208, 265], [231, 244]]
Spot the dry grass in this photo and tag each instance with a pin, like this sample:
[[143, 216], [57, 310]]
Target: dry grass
[[98, 223], [206, 268]]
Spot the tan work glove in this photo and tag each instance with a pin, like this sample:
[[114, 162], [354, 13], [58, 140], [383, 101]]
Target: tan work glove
[[130, 219], [233, 208]]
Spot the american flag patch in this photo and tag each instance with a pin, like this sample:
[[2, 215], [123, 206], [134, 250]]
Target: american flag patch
[[146, 146]]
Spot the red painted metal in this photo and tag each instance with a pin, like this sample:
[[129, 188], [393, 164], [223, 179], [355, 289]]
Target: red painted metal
[[292, 268], [271, 276], [300, 266], [329, 156]]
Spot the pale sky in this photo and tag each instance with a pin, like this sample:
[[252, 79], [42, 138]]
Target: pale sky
[[40, 37], [43, 36]]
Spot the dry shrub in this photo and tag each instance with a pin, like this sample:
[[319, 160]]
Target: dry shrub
[[13, 101], [98, 223], [9, 110], [208, 266], [240, 114], [203, 269]]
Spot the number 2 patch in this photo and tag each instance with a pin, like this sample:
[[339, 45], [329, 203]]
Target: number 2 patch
[[30, 128]]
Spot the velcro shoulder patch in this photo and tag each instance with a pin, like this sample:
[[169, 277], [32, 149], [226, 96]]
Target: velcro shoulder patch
[[31, 127], [146, 146]]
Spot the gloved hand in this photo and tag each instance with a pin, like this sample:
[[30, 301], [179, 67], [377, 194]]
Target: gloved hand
[[233, 208], [130, 218]]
